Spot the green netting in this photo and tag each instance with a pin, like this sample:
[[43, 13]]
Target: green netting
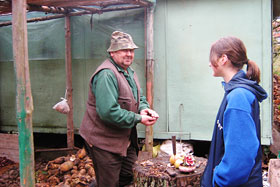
[[46, 48], [90, 35]]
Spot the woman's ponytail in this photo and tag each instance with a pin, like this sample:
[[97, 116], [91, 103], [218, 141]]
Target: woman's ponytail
[[253, 71]]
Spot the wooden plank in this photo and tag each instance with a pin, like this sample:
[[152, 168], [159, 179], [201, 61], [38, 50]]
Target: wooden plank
[[11, 154], [9, 147], [9, 141]]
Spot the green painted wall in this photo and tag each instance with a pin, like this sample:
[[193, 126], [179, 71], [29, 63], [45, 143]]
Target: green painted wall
[[187, 97]]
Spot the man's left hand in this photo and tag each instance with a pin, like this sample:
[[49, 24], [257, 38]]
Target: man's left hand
[[149, 112]]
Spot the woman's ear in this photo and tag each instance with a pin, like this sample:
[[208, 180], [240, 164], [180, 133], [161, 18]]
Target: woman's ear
[[224, 59]]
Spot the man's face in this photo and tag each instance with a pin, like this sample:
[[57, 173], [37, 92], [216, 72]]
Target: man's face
[[123, 58]]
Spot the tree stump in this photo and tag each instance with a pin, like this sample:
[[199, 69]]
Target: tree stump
[[274, 172], [158, 172]]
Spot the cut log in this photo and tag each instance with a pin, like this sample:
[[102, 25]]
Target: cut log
[[274, 173], [156, 172]]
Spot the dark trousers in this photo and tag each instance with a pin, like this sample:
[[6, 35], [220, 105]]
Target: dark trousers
[[112, 170]]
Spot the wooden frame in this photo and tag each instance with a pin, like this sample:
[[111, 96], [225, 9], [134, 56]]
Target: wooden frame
[[24, 101]]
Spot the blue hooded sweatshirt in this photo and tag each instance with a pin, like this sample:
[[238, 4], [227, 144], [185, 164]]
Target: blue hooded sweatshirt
[[235, 155]]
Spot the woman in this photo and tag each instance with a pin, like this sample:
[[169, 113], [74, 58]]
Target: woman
[[235, 156]]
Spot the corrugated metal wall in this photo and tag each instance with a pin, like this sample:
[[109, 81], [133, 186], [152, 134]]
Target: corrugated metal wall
[[187, 97]]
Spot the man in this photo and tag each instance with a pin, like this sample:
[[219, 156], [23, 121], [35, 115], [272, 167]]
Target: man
[[114, 107]]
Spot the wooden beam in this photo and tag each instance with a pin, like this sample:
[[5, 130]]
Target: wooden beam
[[24, 101], [73, 3], [57, 149], [102, 10], [6, 23], [69, 89], [47, 9], [40, 2], [60, 6], [79, 13], [5, 7], [149, 72], [141, 3]]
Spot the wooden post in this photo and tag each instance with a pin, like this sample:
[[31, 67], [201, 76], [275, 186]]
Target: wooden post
[[149, 72], [24, 101], [69, 89]]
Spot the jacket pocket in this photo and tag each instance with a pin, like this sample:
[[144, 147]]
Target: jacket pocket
[[125, 103]]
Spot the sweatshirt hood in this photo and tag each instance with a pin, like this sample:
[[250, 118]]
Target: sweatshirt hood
[[240, 80]]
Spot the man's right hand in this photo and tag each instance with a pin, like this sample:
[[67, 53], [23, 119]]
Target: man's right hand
[[148, 120]]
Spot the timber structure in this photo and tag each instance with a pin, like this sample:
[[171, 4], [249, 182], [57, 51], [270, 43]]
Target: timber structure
[[61, 9]]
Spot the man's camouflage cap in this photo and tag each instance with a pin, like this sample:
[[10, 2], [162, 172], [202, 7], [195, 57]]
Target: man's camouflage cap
[[121, 40]]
